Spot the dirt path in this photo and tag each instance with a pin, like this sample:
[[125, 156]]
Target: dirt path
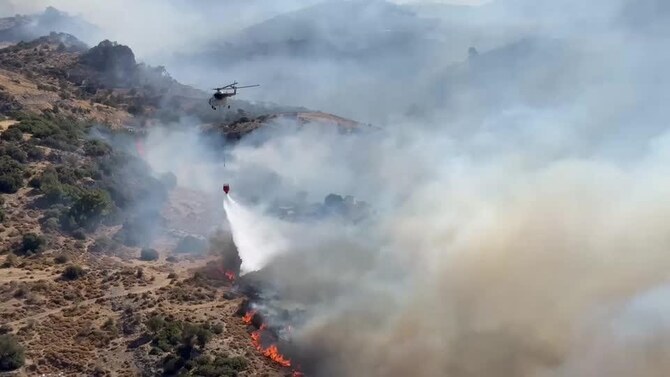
[[160, 282]]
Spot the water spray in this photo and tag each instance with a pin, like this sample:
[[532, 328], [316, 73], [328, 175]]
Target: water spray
[[256, 236]]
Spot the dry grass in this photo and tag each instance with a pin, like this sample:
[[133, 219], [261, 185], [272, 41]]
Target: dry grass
[[91, 326]]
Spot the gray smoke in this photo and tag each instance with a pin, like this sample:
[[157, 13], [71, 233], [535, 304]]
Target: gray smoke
[[521, 225]]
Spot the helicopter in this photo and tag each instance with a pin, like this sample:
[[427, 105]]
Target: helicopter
[[220, 97]]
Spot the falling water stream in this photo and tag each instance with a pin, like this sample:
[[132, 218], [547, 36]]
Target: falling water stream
[[257, 237]]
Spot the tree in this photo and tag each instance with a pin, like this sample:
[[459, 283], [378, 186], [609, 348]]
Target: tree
[[11, 353], [89, 209]]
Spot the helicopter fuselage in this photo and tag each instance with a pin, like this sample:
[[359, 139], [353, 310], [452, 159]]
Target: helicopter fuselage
[[219, 99]]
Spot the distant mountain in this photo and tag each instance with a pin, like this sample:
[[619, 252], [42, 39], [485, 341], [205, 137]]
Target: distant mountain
[[26, 28], [530, 72], [324, 55], [334, 29]]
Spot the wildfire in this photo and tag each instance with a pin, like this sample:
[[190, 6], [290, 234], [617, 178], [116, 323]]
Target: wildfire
[[249, 317], [271, 352], [230, 275]]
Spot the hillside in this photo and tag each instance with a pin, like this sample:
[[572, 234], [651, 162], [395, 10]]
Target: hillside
[[103, 272], [26, 28]]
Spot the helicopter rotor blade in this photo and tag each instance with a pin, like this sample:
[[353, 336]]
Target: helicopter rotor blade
[[229, 86], [234, 86]]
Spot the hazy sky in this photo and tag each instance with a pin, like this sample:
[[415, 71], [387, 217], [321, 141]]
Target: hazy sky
[[154, 20]]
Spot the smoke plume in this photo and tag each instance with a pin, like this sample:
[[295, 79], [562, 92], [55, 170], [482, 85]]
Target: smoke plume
[[520, 192]]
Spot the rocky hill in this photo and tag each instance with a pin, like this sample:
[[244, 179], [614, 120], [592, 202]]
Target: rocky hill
[[28, 27], [96, 277]]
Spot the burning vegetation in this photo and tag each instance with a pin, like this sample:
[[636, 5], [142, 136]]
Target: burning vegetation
[[271, 352], [264, 338]]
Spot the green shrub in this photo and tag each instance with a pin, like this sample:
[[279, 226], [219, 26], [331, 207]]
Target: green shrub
[[217, 328], [51, 224], [32, 244], [53, 131], [155, 324], [88, 210], [195, 334], [110, 326], [13, 151], [11, 353], [69, 175], [61, 259], [167, 335], [11, 175], [96, 148], [172, 364], [54, 190], [34, 153], [148, 254], [12, 134], [221, 366], [73, 272]]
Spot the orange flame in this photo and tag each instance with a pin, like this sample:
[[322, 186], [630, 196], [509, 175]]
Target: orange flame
[[249, 317], [271, 352], [230, 275]]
